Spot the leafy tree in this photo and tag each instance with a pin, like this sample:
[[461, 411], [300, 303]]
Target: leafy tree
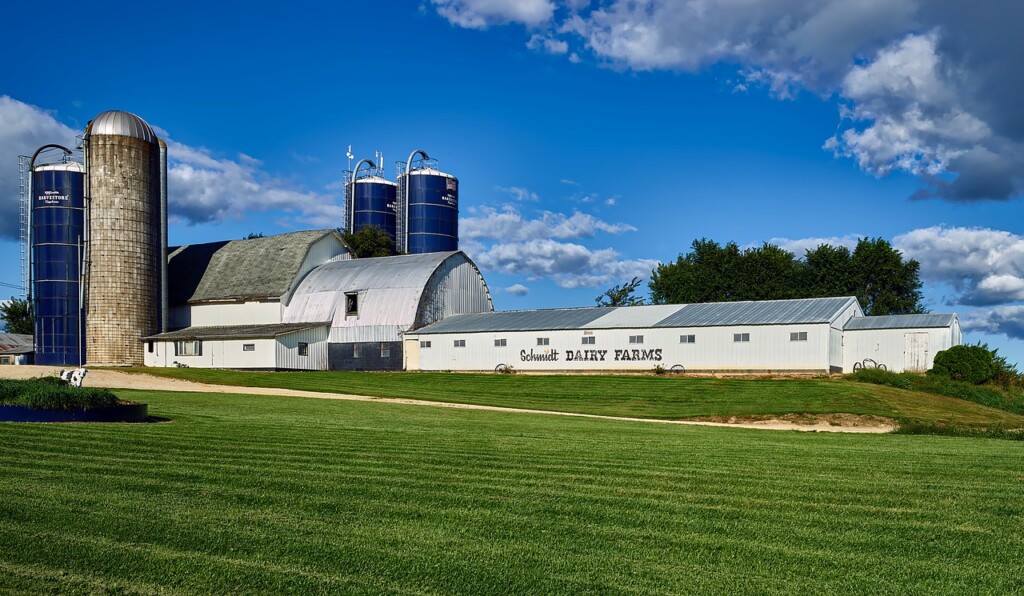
[[708, 273], [370, 241], [767, 273], [252, 235], [17, 316], [885, 284], [621, 295], [826, 272], [874, 272]]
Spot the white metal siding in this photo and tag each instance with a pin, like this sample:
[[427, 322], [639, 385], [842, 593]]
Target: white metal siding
[[320, 252], [246, 313], [216, 353], [455, 288], [888, 346], [769, 348], [288, 349]]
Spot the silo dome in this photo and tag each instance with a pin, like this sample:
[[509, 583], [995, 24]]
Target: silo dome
[[123, 124]]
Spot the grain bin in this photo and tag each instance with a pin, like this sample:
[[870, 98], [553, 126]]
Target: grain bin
[[429, 208], [57, 230], [126, 235]]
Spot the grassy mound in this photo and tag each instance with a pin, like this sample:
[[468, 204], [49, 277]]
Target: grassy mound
[[51, 393], [986, 395]]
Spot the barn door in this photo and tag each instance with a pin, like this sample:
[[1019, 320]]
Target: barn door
[[915, 352]]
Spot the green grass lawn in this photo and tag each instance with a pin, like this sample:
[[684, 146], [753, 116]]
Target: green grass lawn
[[667, 398], [247, 494]]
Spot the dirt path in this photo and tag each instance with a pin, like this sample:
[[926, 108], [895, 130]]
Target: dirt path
[[844, 423]]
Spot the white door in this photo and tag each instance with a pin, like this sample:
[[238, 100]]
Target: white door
[[915, 352]]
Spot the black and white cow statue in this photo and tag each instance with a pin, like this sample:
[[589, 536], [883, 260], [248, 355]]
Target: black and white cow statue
[[73, 376]]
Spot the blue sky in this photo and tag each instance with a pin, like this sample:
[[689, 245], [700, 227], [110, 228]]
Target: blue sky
[[591, 140]]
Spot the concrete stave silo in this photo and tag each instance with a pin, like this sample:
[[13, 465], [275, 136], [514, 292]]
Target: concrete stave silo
[[126, 235]]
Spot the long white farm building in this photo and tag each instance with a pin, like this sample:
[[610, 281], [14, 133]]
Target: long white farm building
[[809, 335], [299, 301]]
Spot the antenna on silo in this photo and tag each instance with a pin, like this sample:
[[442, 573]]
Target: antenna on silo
[[350, 157]]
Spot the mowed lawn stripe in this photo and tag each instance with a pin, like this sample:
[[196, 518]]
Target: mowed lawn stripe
[[244, 493]]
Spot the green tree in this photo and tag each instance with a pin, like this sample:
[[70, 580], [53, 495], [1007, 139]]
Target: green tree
[[885, 284], [621, 295], [766, 273], [708, 273], [825, 272], [252, 235], [370, 241], [17, 316]]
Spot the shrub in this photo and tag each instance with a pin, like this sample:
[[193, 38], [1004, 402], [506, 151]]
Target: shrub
[[993, 397], [971, 364], [51, 393]]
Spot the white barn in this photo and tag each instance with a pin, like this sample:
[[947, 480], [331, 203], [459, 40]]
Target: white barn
[[806, 336], [300, 301], [899, 342]]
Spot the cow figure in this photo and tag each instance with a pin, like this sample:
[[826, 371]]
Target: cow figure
[[73, 377]]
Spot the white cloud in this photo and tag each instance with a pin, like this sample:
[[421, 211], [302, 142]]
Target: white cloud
[[204, 188], [929, 88], [984, 266], [508, 224], [1006, 320], [569, 265], [569, 182], [505, 241], [549, 45], [23, 129], [519, 193], [480, 14], [518, 290]]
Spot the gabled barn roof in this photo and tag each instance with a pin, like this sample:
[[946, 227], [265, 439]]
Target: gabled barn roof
[[766, 312], [255, 269], [900, 322]]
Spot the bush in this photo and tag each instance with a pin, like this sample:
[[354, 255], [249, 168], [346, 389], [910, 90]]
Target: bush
[[971, 364], [51, 393], [993, 397]]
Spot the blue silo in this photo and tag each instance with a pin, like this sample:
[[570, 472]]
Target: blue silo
[[375, 204], [432, 212], [58, 223]]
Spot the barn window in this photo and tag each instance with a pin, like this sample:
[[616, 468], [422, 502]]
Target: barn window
[[357, 351], [687, 339], [739, 337], [636, 339], [543, 341], [589, 340], [460, 343], [385, 350], [500, 343], [149, 346], [303, 348], [425, 344], [248, 347], [351, 304], [188, 348], [798, 336]]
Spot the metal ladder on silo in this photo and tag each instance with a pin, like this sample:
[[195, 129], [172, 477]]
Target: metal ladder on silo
[[24, 215]]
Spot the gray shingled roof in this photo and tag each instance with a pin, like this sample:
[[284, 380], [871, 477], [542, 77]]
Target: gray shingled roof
[[900, 322], [767, 312], [254, 269], [764, 312], [234, 331]]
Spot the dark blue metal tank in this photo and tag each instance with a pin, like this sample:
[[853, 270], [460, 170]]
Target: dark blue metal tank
[[375, 202], [58, 221], [433, 212]]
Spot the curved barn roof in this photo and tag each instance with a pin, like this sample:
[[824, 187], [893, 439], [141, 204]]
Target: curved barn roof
[[394, 293], [254, 269]]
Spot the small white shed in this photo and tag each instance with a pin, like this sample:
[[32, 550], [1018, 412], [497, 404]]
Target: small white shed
[[899, 342]]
